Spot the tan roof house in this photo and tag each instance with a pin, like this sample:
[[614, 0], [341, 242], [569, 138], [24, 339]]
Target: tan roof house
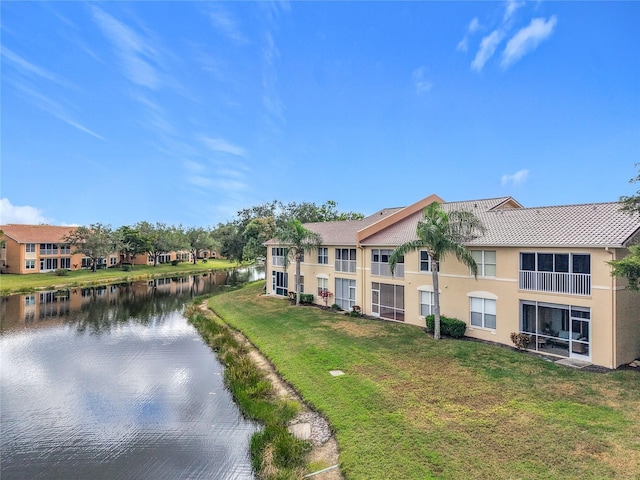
[[542, 271]]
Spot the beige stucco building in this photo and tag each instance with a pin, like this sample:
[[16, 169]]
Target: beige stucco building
[[541, 271]]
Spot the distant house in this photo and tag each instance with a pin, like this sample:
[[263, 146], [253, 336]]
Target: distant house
[[37, 248], [541, 271], [41, 248]]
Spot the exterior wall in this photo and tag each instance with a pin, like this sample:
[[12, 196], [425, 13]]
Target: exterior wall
[[14, 260], [627, 319], [614, 322]]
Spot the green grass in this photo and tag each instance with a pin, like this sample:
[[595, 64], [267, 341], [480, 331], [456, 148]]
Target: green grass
[[12, 283], [410, 407]]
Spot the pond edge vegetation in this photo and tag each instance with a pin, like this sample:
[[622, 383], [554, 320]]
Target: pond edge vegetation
[[275, 452]]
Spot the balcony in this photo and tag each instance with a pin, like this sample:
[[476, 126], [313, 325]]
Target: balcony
[[345, 266], [382, 269], [554, 282]]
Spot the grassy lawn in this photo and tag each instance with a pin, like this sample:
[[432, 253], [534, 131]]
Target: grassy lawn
[[409, 407], [11, 283]]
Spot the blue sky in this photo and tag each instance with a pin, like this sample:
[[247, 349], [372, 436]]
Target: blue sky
[[185, 112]]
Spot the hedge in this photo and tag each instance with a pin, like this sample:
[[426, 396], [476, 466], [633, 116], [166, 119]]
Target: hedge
[[451, 327]]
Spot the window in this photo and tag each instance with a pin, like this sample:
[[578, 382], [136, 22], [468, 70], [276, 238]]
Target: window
[[486, 261], [30, 265], [323, 286], [483, 312], [65, 262], [29, 300], [346, 260], [387, 301], [426, 303], [87, 262], [295, 278], [113, 261], [65, 249], [30, 248], [277, 256], [425, 261], [301, 255], [280, 283], [345, 295], [323, 255], [48, 263], [48, 249], [380, 264]]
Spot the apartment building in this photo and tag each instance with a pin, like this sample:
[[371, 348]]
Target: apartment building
[[541, 271]]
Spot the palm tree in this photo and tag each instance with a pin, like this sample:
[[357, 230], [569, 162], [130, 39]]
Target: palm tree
[[297, 239], [441, 233]]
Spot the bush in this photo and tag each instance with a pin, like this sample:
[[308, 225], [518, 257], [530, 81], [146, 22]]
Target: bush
[[127, 267], [451, 327], [175, 262], [335, 307], [62, 272], [306, 298], [520, 340]]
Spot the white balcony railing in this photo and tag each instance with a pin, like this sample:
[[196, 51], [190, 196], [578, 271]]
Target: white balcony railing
[[382, 269], [346, 266], [554, 282]]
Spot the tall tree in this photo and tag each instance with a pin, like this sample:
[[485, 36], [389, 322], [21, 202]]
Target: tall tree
[[229, 237], [134, 243], [297, 239], [198, 239], [441, 233], [629, 266], [97, 241], [257, 232], [631, 204]]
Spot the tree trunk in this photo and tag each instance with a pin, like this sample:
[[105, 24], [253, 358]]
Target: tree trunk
[[436, 300], [297, 279]]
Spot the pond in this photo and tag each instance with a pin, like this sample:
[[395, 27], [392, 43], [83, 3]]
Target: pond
[[114, 383]]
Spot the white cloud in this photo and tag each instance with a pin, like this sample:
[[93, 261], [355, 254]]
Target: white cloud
[[517, 178], [20, 214], [224, 22], [29, 68], [488, 47], [55, 109], [421, 83], [135, 53], [474, 26], [527, 39], [510, 9], [222, 146]]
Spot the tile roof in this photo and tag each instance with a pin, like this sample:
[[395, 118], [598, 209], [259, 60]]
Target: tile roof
[[36, 233], [343, 233], [594, 224]]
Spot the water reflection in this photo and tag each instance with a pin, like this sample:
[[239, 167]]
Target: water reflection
[[116, 385], [102, 307]]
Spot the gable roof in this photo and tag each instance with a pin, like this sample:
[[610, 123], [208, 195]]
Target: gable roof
[[344, 232], [36, 233], [508, 224]]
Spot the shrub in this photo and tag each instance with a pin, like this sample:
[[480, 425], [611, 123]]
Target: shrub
[[306, 298], [62, 272], [175, 262], [127, 267], [452, 327], [520, 340], [335, 307]]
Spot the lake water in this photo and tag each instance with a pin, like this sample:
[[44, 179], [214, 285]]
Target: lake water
[[114, 383]]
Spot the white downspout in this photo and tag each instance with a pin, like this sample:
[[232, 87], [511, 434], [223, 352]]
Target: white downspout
[[614, 353]]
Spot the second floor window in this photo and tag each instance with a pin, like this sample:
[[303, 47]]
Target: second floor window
[[346, 260], [323, 255], [380, 263], [486, 262], [277, 256], [31, 248], [556, 272]]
